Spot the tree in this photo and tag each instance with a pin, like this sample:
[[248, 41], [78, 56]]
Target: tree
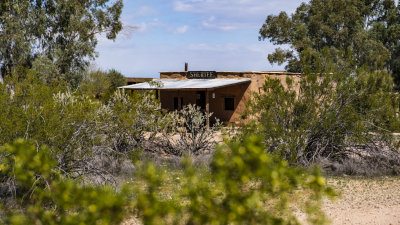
[[101, 84], [386, 29], [63, 32], [95, 83], [369, 30], [116, 79]]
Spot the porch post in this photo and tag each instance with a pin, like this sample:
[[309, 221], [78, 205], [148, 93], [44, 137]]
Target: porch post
[[207, 109]]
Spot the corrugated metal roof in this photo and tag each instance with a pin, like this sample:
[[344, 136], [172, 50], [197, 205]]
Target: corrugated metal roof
[[166, 84]]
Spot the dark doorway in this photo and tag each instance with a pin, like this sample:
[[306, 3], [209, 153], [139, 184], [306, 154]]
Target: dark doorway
[[176, 103], [201, 99], [176, 107], [182, 103]]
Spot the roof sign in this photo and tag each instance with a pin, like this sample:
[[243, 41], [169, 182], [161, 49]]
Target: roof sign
[[201, 74]]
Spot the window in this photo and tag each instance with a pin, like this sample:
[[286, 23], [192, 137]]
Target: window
[[229, 104]]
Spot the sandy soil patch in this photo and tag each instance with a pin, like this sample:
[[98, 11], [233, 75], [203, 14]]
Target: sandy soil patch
[[365, 201]]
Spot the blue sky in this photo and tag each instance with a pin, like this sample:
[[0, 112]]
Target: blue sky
[[219, 35]]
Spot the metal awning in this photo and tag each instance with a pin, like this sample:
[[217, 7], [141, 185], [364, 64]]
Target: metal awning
[[174, 84]]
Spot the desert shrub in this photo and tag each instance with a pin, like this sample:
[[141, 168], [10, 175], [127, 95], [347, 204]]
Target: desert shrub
[[44, 196], [86, 136], [330, 110], [245, 185], [75, 133], [67, 123], [188, 133], [23, 101], [136, 118], [366, 160]]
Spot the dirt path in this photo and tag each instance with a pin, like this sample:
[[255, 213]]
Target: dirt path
[[365, 201]]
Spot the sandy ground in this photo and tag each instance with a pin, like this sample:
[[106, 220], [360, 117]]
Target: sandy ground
[[365, 201]]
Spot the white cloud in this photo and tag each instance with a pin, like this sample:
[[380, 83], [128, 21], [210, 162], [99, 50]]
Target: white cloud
[[211, 23], [182, 6], [258, 47], [144, 26], [228, 28], [181, 30], [235, 7], [145, 10], [228, 15], [208, 25]]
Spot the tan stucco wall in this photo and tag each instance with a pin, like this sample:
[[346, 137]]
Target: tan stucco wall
[[241, 92]]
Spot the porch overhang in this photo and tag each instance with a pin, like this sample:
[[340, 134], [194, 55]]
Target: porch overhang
[[187, 84]]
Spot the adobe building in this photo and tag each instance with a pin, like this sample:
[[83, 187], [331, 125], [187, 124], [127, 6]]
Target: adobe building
[[223, 93]]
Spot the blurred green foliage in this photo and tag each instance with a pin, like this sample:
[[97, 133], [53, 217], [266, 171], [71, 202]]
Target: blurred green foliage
[[245, 185], [49, 198]]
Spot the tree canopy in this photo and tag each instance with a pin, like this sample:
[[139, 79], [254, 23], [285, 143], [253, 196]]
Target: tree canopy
[[366, 30], [59, 32]]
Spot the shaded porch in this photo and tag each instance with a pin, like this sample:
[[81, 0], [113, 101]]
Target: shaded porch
[[219, 96]]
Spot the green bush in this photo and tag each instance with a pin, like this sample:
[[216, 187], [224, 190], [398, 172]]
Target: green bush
[[83, 134], [135, 119], [68, 124]]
